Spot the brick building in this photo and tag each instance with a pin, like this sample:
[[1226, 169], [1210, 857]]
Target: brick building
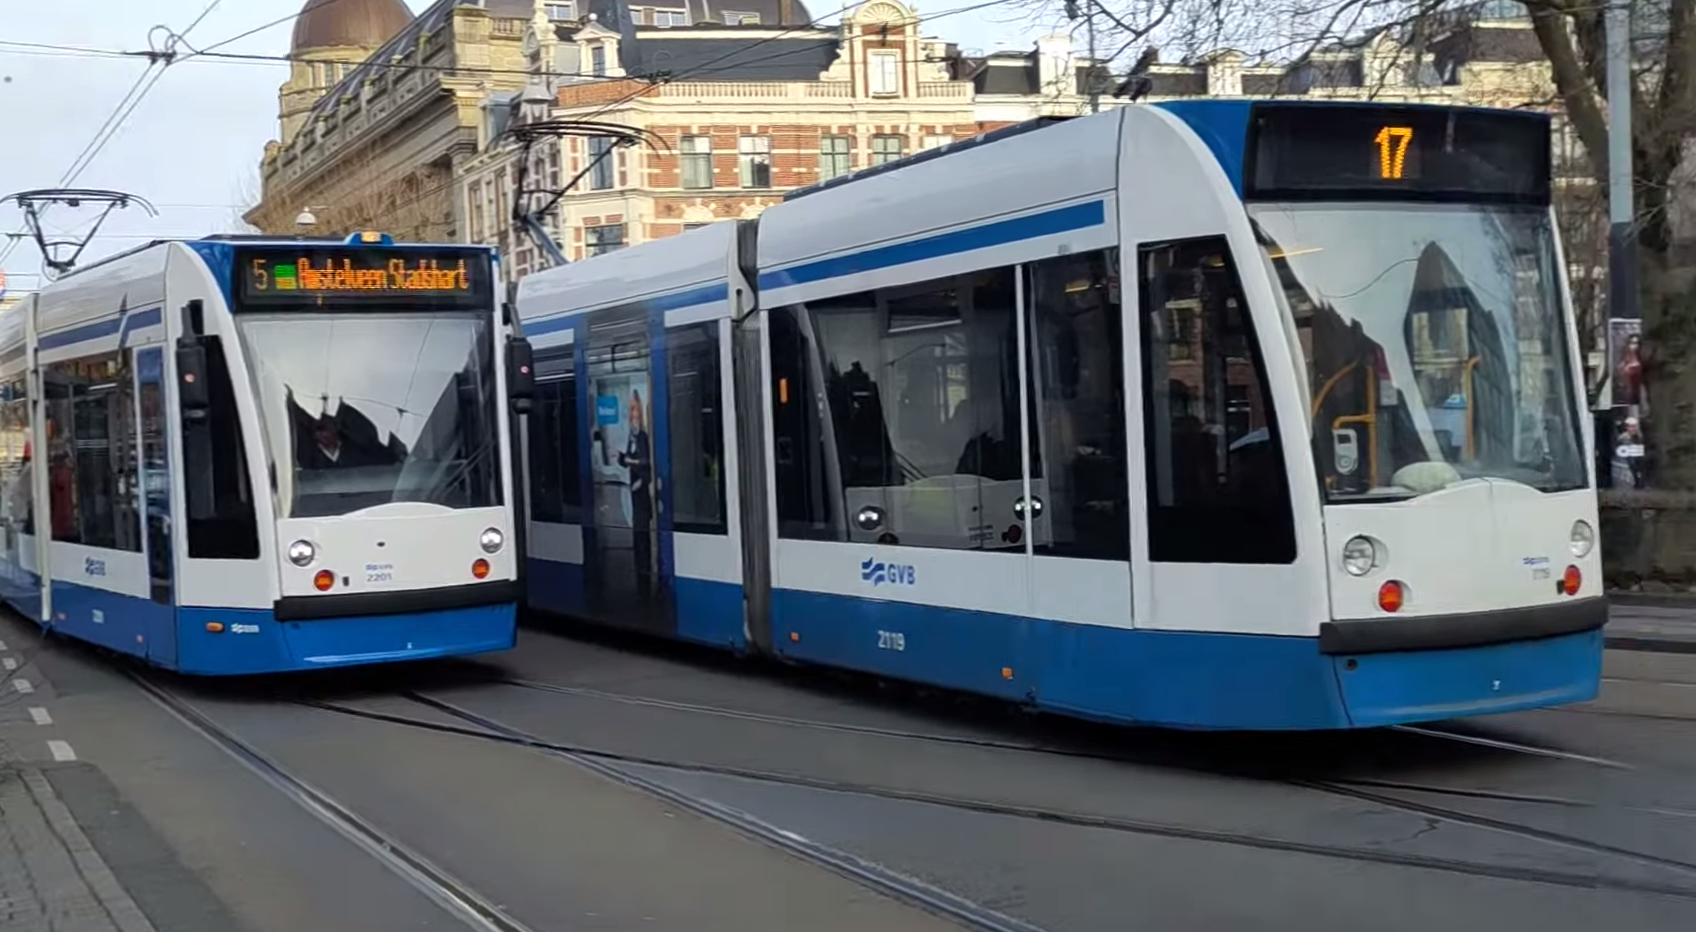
[[737, 113]]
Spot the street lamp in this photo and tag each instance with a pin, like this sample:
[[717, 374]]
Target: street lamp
[[306, 218]]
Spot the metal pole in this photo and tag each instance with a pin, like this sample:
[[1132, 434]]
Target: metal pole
[[1622, 240], [1094, 79]]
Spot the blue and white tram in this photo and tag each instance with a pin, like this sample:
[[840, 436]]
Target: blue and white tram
[[1209, 415], [239, 456]]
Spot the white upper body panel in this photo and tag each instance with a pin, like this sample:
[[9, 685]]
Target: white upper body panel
[[1056, 164], [674, 266]]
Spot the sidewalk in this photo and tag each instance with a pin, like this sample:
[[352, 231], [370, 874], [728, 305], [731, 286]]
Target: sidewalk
[[51, 878], [1652, 622]]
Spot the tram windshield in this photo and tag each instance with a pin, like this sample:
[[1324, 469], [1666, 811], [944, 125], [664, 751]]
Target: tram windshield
[[363, 410], [1435, 341]]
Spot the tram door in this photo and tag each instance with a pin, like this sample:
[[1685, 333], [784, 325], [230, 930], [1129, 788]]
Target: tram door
[[156, 498], [627, 559]]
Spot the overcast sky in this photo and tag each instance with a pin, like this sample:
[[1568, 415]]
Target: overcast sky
[[193, 143]]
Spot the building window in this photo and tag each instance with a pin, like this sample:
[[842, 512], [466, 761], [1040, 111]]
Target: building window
[[668, 18], [833, 157], [561, 11], [886, 148], [935, 142], [598, 61], [885, 70], [697, 155], [603, 239], [91, 458], [477, 218], [741, 19], [1217, 488], [603, 172], [499, 222], [753, 160]]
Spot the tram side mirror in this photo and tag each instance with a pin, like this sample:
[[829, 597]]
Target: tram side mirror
[[1345, 450], [192, 394], [520, 374]]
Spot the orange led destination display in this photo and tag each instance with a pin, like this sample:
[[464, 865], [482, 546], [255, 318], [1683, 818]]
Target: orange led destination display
[[1300, 151], [325, 277]]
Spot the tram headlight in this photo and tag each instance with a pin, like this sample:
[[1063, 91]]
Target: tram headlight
[[1359, 556], [1583, 538], [491, 540], [302, 553]]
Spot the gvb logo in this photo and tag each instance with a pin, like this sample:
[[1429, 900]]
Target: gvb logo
[[895, 574]]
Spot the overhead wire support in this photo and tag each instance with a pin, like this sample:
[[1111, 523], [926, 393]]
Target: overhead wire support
[[533, 219], [34, 203]]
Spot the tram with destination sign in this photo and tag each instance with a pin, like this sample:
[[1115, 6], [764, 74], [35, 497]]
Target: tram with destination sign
[[1252, 415], [240, 455]]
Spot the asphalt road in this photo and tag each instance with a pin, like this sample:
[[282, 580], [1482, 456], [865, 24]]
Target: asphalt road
[[1555, 820]]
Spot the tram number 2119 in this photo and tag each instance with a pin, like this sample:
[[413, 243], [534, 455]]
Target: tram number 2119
[[891, 640]]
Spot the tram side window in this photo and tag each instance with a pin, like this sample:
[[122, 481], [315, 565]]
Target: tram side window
[[804, 508], [697, 429], [917, 388], [555, 495], [91, 455], [214, 453], [1078, 402], [1218, 489], [15, 485]]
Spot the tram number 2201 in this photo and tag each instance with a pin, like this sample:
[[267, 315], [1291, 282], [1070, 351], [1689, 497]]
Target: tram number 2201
[[891, 640]]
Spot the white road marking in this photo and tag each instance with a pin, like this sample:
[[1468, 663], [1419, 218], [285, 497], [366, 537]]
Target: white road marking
[[61, 750], [8, 663], [3, 646], [23, 686], [40, 715]]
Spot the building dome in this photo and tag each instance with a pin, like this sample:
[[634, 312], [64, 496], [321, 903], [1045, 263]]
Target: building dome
[[364, 24]]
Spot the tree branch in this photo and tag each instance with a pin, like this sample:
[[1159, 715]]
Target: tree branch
[[1579, 94]]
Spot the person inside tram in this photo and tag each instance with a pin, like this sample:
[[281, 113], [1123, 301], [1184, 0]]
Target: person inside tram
[[327, 449]]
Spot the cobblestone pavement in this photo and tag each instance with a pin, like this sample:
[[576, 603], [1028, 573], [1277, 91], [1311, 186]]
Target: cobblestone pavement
[[51, 878]]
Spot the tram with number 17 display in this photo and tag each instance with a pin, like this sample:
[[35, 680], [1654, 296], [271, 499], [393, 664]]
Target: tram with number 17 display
[[238, 455], [1212, 414]]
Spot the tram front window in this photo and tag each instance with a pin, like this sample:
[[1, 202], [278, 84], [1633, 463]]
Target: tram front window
[[366, 410], [1435, 342]]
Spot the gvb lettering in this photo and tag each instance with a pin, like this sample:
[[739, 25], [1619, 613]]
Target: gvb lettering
[[895, 574]]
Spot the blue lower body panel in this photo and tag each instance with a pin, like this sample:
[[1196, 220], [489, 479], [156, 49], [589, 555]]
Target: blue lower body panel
[[706, 612], [252, 641], [1180, 679]]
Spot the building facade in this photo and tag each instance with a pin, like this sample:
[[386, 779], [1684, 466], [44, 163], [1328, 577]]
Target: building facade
[[378, 107], [733, 116]]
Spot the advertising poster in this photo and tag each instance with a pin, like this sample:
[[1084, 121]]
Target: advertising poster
[[1630, 402]]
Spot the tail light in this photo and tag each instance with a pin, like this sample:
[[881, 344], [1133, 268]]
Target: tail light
[[1571, 580], [1391, 595], [480, 569], [324, 580]]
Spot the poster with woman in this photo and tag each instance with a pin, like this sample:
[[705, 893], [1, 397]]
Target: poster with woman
[[1625, 345]]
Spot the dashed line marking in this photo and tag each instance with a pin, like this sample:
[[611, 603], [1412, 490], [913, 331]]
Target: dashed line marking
[[23, 686], [40, 715], [3, 646], [8, 663], [61, 751]]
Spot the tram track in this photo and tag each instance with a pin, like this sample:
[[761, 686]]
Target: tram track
[[615, 765], [451, 894]]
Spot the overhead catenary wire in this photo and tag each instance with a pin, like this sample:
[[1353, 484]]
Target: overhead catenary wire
[[109, 129]]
